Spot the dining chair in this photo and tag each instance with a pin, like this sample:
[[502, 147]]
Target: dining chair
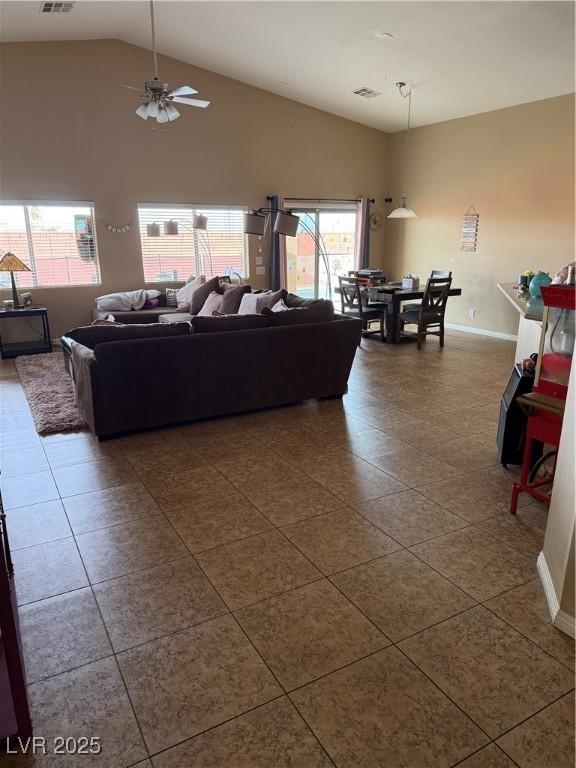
[[434, 273], [430, 313], [354, 306]]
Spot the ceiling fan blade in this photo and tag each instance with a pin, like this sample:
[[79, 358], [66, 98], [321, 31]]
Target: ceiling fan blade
[[184, 90], [131, 87], [191, 102]]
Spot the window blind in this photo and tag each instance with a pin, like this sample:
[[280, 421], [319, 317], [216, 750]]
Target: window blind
[[220, 249], [57, 241]]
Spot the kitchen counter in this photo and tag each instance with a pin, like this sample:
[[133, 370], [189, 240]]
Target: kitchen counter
[[528, 307], [529, 321]]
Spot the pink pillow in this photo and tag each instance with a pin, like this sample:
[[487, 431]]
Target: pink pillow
[[212, 304], [151, 303]]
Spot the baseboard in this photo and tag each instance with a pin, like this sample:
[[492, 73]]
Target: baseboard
[[565, 623], [560, 619], [482, 332]]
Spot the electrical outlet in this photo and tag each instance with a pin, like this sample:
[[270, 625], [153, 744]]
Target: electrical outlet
[[471, 313], [259, 260]]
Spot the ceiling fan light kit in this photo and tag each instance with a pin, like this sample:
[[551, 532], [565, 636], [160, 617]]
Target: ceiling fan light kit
[[158, 103], [403, 211]]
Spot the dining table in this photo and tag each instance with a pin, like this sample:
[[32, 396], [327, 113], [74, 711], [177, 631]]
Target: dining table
[[392, 296]]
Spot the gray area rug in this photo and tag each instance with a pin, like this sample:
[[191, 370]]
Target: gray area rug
[[48, 389]]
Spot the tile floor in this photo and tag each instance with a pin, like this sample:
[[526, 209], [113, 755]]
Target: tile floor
[[334, 583]]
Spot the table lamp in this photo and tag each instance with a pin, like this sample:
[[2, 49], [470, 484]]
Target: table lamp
[[11, 263]]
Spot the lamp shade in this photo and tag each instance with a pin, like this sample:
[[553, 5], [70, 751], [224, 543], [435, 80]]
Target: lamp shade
[[402, 212], [11, 263], [286, 224], [199, 221], [153, 230], [254, 223], [171, 227]]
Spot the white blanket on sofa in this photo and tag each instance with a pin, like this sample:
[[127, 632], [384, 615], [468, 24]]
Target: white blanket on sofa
[[122, 302]]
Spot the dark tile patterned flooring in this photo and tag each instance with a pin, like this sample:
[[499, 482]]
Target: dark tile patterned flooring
[[332, 583]]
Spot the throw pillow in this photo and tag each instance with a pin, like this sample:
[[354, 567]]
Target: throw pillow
[[254, 303], [171, 300], [280, 306], [212, 304], [228, 323], [199, 296], [185, 294], [232, 297]]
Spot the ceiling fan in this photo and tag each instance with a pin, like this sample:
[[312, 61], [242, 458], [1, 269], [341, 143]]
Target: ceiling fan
[[158, 100]]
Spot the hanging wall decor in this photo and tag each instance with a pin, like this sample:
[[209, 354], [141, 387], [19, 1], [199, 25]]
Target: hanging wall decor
[[117, 228], [469, 233]]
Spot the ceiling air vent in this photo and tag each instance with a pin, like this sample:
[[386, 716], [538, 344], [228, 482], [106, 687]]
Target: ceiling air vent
[[56, 7], [367, 93]]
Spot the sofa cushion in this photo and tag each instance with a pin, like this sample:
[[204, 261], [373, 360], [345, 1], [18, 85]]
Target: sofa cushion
[[232, 297], [319, 312], [199, 296], [175, 317], [254, 303], [292, 300], [91, 335], [228, 323]]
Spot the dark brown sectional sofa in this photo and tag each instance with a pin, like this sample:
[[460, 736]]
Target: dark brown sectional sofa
[[206, 369]]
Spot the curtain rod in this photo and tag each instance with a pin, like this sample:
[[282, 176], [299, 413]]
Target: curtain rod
[[322, 199]]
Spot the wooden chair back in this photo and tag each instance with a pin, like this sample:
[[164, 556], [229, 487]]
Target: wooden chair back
[[350, 295], [440, 273], [436, 295]]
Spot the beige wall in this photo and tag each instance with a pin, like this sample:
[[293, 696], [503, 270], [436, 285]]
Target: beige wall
[[516, 167], [69, 132]]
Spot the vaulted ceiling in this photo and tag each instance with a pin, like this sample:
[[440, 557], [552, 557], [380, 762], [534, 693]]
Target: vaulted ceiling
[[461, 58]]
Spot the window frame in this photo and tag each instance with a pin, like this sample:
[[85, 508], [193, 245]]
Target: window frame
[[192, 208], [25, 205]]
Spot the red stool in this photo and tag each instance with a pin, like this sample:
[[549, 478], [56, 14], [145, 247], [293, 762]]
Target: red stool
[[544, 425]]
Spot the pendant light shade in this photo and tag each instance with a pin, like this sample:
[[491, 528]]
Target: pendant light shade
[[171, 227], [199, 221], [403, 211]]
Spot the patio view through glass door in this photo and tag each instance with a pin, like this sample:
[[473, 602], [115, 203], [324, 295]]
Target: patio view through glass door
[[336, 229]]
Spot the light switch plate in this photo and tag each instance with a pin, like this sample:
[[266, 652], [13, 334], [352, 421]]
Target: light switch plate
[[260, 270], [259, 260]]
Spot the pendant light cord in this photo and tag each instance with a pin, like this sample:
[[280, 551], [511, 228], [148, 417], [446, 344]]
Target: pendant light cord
[[153, 40], [405, 190]]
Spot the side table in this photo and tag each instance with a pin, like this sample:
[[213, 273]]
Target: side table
[[15, 348]]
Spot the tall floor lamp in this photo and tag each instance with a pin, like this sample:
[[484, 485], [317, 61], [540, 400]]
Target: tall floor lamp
[[286, 223], [199, 223], [11, 263]]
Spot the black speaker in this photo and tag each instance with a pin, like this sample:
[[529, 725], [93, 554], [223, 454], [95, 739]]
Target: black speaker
[[512, 423]]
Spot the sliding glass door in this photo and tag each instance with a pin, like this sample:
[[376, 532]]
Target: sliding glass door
[[322, 250]]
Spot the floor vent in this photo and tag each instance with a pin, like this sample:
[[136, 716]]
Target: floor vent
[[367, 93], [56, 7]]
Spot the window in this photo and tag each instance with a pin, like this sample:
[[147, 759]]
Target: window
[[334, 226], [173, 248], [56, 240]]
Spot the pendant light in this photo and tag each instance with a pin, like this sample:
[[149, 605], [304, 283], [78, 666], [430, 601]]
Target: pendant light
[[403, 211]]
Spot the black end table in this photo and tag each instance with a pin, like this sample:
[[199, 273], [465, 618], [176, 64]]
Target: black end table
[[16, 348]]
